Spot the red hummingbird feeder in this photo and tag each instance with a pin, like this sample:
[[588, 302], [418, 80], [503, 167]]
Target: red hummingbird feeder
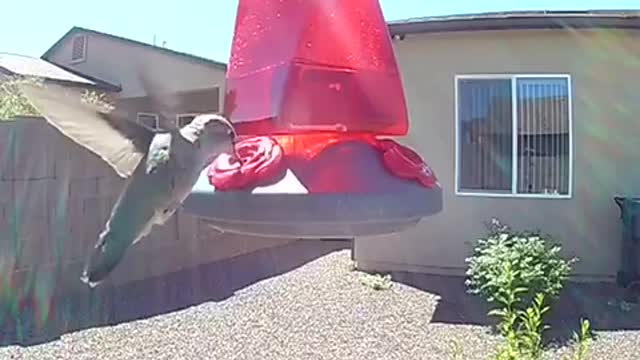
[[300, 67], [311, 86]]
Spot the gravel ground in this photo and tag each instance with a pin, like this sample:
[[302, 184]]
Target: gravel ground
[[319, 311]]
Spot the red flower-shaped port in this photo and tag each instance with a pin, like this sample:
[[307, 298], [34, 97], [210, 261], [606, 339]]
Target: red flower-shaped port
[[260, 159], [406, 163]]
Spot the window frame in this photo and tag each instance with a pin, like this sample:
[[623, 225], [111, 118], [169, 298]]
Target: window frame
[[85, 41], [156, 116], [513, 77], [178, 116]]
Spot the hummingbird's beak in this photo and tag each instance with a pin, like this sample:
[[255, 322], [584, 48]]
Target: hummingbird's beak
[[235, 155], [234, 142]]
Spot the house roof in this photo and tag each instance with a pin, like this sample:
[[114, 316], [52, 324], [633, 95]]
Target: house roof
[[15, 64], [76, 29], [507, 20], [511, 20]]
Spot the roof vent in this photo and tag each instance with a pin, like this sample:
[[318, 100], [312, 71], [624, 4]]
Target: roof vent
[[79, 49]]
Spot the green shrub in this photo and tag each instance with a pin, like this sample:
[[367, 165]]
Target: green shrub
[[517, 272], [529, 257], [99, 99], [377, 281], [582, 341], [522, 330], [12, 102]]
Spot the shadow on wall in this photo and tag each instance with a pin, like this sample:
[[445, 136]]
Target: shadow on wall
[[142, 299], [600, 302]]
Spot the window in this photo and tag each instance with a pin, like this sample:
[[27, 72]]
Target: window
[[79, 49], [184, 119], [150, 120], [514, 135]]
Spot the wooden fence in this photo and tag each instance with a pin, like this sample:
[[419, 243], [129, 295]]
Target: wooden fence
[[55, 197]]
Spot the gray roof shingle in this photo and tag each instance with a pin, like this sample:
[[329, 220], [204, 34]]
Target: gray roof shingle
[[16, 64], [29, 66]]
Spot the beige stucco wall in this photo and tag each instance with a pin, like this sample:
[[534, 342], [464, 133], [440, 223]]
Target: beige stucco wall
[[120, 62], [605, 70]]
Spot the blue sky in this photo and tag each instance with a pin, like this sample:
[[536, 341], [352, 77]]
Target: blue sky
[[205, 27]]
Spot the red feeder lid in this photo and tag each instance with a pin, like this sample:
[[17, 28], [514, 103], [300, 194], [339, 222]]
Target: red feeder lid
[[300, 66]]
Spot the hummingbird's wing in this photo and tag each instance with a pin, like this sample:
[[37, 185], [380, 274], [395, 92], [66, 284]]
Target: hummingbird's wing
[[107, 132], [164, 103]]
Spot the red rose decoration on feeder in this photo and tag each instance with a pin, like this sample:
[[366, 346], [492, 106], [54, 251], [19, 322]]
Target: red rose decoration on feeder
[[260, 158], [406, 163]]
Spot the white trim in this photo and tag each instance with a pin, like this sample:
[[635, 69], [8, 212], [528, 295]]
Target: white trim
[[512, 195], [514, 175], [456, 170], [514, 136], [570, 105], [510, 76], [154, 115], [178, 116], [84, 48]]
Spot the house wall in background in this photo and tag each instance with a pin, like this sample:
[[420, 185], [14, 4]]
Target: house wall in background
[[605, 79], [120, 62]]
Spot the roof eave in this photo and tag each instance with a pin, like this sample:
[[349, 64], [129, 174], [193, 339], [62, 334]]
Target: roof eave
[[95, 85], [98, 83], [75, 29], [4, 73], [513, 23], [55, 45]]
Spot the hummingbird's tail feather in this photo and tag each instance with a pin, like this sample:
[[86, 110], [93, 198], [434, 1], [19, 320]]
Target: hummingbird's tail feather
[[106, 255]]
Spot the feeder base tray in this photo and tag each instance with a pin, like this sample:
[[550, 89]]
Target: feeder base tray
[[362, 199]]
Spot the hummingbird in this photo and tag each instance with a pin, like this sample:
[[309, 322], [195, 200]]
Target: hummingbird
[[160, 166]]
